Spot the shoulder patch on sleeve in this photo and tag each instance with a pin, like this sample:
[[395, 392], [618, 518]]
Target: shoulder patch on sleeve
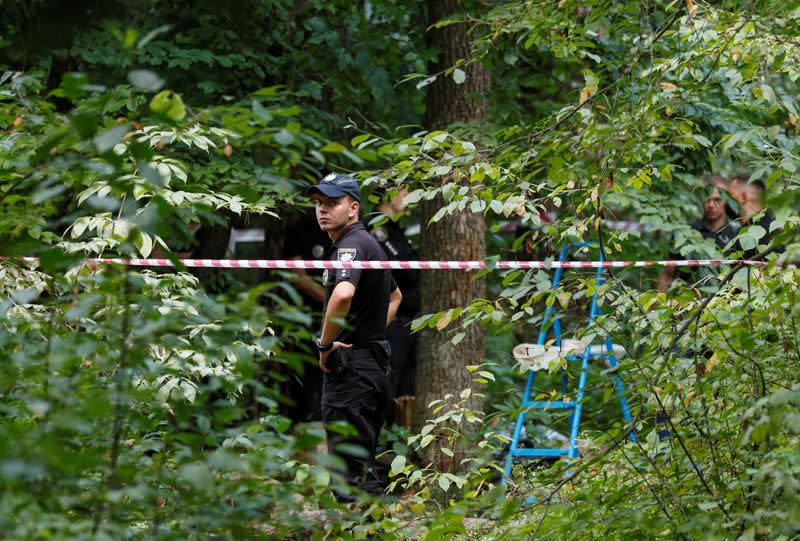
[[346, 254]]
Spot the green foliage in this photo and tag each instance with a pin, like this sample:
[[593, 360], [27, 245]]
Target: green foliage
[[136, 405], [340, 59], [471, 474]]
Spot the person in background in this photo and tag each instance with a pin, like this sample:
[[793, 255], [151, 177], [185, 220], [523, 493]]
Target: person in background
[[354, 354], [306, 242], [404, 343], [750, 196], [714, 225]]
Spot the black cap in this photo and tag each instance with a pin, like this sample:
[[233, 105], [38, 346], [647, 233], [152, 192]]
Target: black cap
[[337, 185]]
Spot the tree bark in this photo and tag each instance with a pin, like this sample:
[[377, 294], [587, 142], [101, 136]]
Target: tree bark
[[441, 365], [448, 102]]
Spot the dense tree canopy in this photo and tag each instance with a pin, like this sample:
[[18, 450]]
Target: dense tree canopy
[[146, 403]]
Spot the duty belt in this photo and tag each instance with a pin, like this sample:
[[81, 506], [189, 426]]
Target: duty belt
[[361, 354], [369, 354]]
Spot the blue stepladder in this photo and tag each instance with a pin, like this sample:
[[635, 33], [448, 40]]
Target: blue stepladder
[[602, 352]]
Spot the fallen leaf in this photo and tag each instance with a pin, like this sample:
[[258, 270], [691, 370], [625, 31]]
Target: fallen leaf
[[444, 320]]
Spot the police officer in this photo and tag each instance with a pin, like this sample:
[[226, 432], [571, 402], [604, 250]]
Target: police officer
[[353, 351], [305, 241], [750, 196], [404, 344], [715, 225]]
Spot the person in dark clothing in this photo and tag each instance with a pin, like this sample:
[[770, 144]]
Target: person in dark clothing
[[306, 242], [714, 225], [404, 343], [353, 351], [750, 196]]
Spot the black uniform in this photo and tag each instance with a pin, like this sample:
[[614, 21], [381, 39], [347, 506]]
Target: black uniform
[[766, 222], [308, 243], [404, 343], [721, 238], [358, 394]]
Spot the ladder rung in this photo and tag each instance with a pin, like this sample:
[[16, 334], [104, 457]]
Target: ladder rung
[[592, 357], [548, 404], [538, 452]]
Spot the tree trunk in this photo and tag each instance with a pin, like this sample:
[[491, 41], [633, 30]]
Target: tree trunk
[[441, 365], [448, 102]]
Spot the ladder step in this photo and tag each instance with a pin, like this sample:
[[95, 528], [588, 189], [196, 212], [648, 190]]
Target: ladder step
[[548, 404], [538, 452], [592, 357]]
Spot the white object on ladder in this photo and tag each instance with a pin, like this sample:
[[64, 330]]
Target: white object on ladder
[[540, 357]]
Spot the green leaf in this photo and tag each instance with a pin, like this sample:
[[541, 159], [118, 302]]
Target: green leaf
[[439, 215], [750, 235], [146, 80], [260, 111], [270, 91], [283, 137], [73, 86], [106, 140], [169, 105], [702, 140], [152, 34], [447, 22], [334, 147], [413, 197], [733, 139], [444, 482], [144, 243], [358, 139], [85, 123], [398, 464], [768, 93], [459, 76], [198, 475]]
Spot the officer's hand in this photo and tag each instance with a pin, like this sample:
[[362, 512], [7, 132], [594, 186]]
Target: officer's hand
[[323, 355]]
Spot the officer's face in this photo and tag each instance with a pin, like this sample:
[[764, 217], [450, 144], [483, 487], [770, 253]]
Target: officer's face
[[334, 213], [714, 206]]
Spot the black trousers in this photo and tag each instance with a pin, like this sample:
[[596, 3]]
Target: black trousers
[[358, 397]]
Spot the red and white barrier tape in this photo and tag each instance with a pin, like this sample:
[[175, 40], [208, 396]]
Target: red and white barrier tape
[[406, 265]]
